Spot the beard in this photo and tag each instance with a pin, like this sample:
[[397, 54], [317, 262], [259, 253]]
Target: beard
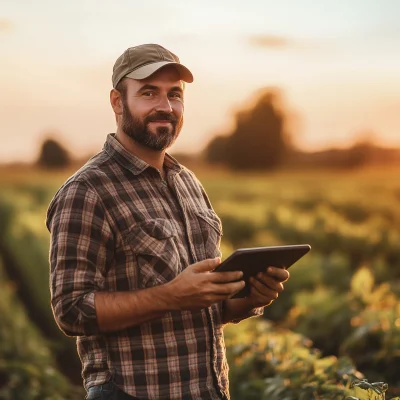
[[139, 131]]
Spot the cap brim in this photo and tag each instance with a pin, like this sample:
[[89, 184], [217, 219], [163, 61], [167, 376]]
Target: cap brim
[[147, 70]]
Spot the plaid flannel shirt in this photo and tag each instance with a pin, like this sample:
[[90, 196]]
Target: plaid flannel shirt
[[116, 225]]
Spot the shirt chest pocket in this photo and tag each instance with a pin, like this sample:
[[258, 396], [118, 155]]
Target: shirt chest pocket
[[154, 246], [210, 229]]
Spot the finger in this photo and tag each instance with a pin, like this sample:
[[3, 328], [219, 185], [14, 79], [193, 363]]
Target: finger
[[271, 282], [280, 274], [259, 299], [220, 277], [220, 297], [206, 265], [263, 290], [228, 288]]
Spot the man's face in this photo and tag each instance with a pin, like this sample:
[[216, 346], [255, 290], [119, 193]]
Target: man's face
[[153, 109]]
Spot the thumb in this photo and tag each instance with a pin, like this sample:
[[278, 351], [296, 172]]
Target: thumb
[[207, 265]]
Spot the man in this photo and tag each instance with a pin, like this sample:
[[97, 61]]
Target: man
[[134, 242]]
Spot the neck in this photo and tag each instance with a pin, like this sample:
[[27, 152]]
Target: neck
[[155, 158]]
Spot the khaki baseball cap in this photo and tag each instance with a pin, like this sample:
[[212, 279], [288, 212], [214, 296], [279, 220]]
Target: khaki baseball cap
[[140, 62]]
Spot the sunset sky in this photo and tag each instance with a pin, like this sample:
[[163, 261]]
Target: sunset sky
[[337, 63]]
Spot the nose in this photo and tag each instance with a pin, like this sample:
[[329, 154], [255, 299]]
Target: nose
[[164, 104]]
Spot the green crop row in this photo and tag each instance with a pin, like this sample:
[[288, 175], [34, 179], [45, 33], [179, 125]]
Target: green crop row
[[27, 367], [363, 323], [266, 363], [350, 225], [24, 246]]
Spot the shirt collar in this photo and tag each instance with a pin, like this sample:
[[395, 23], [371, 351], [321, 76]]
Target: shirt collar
[[131, 162]]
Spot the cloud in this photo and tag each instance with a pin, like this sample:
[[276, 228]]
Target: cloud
[[271, 42], [5, 25]]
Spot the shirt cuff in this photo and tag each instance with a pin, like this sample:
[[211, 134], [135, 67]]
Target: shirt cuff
[[254, 312], [78, 319]]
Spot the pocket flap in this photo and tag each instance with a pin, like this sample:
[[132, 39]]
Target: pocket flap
[[158, 228], [148, 237], [211, 218]]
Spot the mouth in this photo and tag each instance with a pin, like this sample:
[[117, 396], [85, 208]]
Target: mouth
[[161, 122]]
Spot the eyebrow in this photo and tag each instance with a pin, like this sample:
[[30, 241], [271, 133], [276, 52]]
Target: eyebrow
[[176, 89], [152, 87], [147, 87]]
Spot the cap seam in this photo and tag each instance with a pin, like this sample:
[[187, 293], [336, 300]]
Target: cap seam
[[129, 57], [160, 54]]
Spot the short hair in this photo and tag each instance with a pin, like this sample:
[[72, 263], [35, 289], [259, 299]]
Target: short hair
[[121, 87]]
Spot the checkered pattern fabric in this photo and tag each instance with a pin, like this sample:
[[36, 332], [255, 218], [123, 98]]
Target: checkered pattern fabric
[[116, 225]]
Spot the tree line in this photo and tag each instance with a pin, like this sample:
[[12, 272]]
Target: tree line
[[262, 139]]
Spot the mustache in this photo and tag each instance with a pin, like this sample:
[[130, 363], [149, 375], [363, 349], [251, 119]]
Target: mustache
[[160, 116]]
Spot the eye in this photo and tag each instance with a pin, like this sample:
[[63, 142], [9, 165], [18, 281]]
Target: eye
[[176, 95], [148, 94]]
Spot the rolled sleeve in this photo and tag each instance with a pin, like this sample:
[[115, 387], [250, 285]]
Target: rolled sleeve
[[81, 247]]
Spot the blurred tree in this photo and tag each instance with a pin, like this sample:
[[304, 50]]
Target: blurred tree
[[53, 155], [259, 140], [360, 154], [217, 149]]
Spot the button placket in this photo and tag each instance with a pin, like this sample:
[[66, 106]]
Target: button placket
[[185, 219]]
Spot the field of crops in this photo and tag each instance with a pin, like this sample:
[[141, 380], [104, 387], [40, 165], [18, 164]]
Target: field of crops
[[342, 298]]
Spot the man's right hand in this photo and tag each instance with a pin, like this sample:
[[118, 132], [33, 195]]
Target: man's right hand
[[199, 287], [194, 288]]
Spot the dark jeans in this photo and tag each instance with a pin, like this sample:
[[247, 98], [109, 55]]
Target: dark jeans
[[108, 391]]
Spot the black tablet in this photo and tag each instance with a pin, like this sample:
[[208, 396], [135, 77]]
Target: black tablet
[[257, 259]]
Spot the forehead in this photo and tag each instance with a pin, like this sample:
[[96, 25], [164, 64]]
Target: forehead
[[165, 77]]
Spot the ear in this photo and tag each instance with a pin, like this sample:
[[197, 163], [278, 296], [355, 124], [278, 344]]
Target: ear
[[116, 101]]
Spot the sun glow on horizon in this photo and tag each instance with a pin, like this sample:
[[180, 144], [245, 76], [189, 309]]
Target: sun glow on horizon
[[337, 67]]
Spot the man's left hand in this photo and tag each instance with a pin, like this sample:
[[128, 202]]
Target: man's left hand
[[266, 286]]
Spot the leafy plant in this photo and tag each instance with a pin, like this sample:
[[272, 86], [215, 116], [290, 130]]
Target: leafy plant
[[278, 364], [27, 367], [363, 324], [369, 391]]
